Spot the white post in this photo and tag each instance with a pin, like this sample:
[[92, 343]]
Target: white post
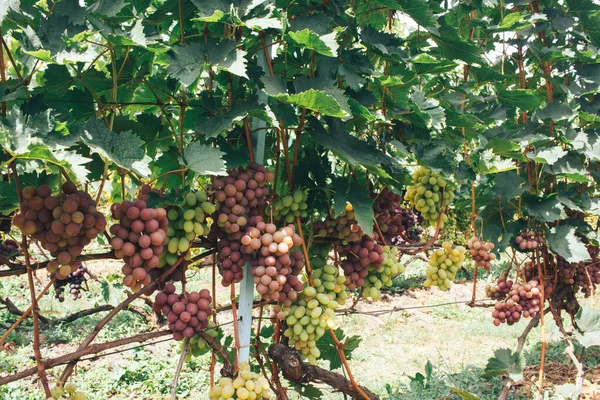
[[247, 284]]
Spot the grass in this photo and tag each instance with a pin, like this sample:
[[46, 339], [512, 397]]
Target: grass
[[418, 353]]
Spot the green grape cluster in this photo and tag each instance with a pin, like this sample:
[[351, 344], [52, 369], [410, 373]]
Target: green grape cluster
[[378, 278], [307, 320], [198, 345], [426, 195], [247, 385], [443, 265], [186, 222], [291, 206], [67, 392], [326, 277]]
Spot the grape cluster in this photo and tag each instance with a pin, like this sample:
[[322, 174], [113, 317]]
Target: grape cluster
[[411, 221], [444, 263], [522, 301], [238, 196], [378, 278], [566, 270], [74, 280], [247, 385], [344, 229], [186, 313], [500, 290], [291, 206], [147, 191], [587, 277], [307, 320], [9, 249], [389, 221], [326, 277], [63, 224], [481, 252], [276, 268], [529, 240], [357, 257], [426, 195], [186, 222], [68, 392], [198, 345], [138, 240]]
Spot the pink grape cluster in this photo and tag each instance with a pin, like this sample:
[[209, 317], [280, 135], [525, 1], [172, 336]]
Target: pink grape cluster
[[277, 266], [357, 257], [138, 240], [529, 240], [63, 224], [516, 301], [187, 313]]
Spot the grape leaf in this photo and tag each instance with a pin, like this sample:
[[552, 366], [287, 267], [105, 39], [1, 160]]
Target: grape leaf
[[9, 200], [547, 209], [524, 99], [186, 62], [124, 148], [563, 241], [18, 131], [106, 8], [328, 349], [506, 361], [204, 160], [509, 185], [588, 320], [308, 39], [315, 100], [8, 5], [214, 126]]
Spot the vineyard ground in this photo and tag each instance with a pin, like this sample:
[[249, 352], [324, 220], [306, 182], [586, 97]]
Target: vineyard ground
[[395, 348]]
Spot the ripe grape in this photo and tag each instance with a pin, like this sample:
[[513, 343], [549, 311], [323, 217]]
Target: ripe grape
[[74, 280], [290, 206], [481, 252], [187, 313], [426, 195], [444, 263], [356, 257], [277, 265], [411, 220], [529, 240], [247, 385], [186, 222], [138, 240], [9, 249], [516, 301], [343, 230], [378, 278], [62, 224]]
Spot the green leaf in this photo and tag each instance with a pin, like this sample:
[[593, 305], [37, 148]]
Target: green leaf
[[110, 294], [357, 194], [549, 155], [509, 185], [204, 160], [186, 62], [315, 100], [512, 22], [506, 361], [308, 39], [218, 124], [464, 394], [588, 320], [416, 9], [563, 241], [106, 8], [9, 200], [452, 46], [525, 99], [18, 132], [124, 149], [547, 209], [328, 349], [555, 111], [8, 5]]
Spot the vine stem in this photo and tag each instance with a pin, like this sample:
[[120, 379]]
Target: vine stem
[[34, 304], [27, 312], [2, 76], [248, 139], [104, 177], [214, 296], [287, 154], [184, 352]]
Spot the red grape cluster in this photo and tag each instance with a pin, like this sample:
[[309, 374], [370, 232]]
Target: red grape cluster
[[389, 221], [481, 252], [187, 313], [138, 240], [63, 224], [239, 197], [529, 240], [277, 266], [357, 257], [566, 270], [522, 301], [74, 280], [9, 249], [411, 220], [344, 229], [500, 291]]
